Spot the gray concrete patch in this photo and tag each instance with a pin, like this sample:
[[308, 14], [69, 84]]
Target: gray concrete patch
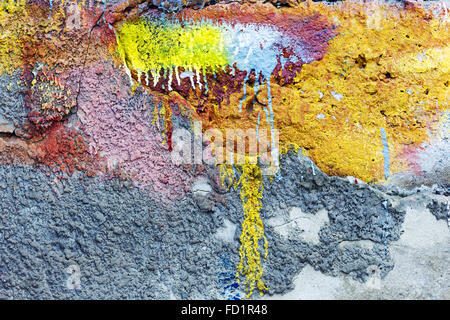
[[421, 257]]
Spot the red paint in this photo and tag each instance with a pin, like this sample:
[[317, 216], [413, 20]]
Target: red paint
[[64, 150], [169, 134]]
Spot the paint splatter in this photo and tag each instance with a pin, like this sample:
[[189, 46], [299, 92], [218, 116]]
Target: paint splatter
[[385, 153]]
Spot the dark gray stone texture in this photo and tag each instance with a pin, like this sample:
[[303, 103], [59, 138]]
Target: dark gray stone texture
[[127, 245]]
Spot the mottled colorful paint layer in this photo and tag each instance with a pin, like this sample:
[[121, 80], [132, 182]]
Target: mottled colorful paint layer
[[323, 76]]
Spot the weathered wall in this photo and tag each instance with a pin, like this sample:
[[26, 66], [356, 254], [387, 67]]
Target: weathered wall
[[91, 95]]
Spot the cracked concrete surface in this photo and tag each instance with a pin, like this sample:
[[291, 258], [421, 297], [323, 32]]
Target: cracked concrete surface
[[420, 256]]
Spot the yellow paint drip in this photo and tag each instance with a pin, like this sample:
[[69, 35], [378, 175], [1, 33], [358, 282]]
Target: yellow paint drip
[[251, 189], [156, 46]]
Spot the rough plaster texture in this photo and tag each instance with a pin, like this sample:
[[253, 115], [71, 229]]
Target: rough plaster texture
[[419, 271], [329, 237], [12, 108], [120, 130], [130, 246]]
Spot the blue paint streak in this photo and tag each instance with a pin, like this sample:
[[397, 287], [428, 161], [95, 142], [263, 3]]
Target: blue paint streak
[[206, 84], [104, 9], [227, 279], [385, 152], [262, 58], [232, 164], [51, 8], [278, 176], [257, 85]]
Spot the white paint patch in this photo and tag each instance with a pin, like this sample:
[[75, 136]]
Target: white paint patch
[[281, 226], [435, 156], [73, 21], [226, 233], [354, 180], [320, 116], [303, 225], [310, 284], [320, 94], [186, 74], [201, 187], [421, 259], [309, 224], [336, 95], [422, 230]]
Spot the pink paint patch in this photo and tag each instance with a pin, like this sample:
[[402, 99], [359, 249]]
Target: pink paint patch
[[410, 155], [120, 130]]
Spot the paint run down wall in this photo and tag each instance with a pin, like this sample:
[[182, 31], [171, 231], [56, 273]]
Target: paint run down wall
[[352, 96]]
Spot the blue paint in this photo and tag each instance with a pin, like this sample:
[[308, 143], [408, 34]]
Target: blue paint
[[283, 61], [51, 8], [385, 152], [206, 83], [293, 59], [227, 279], [253, 47], [278, 176], [104, 9], [325, 33], [269, 100]]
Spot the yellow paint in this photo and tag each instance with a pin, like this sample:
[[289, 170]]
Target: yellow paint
[[26, 36], [251, 189], [149, 46], [373, 69], [12, 6], [10, 34]]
